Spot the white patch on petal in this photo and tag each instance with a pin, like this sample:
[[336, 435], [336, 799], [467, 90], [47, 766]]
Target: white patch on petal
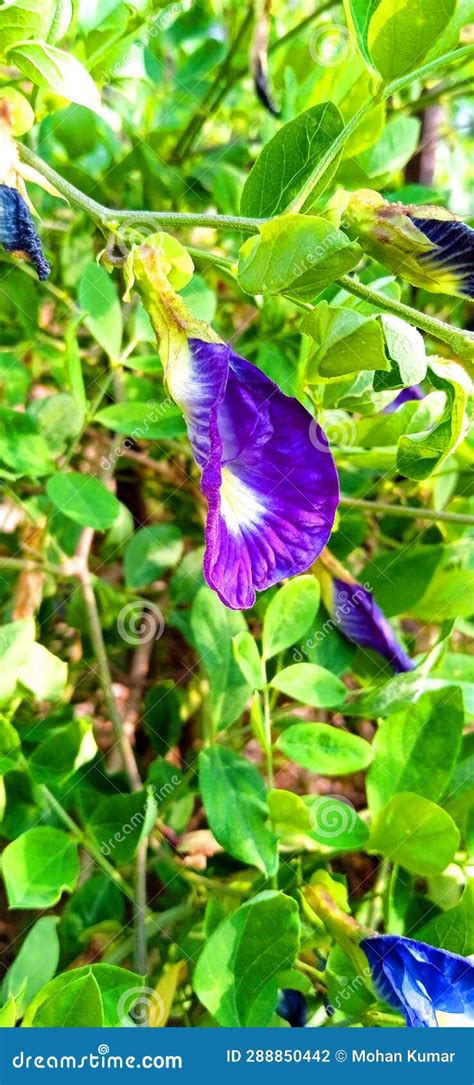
[[453, 1020], [239, 505]]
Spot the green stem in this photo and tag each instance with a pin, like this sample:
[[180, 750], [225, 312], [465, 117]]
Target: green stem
[[155, 923], [462, 343], [27, 565], [267, 722], [408, 511], [109, 217], [447, 90], [193, 127], [466, 52], [87, 843]]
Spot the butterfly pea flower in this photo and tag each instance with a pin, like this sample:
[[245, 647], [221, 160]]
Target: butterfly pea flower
[[292, 1007], [266, 468], [405, 396], [428, 246], [271, 488], [430, 987], [356, 614], [17, 231]]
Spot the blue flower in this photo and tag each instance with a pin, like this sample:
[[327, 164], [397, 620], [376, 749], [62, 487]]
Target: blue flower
[[360, 619], [17, 231], [428, 246], [405, 396], [271, 487], [292, 1007], [424, 983]]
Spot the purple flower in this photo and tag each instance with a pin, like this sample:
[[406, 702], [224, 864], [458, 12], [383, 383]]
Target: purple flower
[[267, 472], [360, 619], [17, 231], [406, 394], [428, 246], [420, 981]]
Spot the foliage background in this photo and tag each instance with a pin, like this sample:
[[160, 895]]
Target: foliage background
[[141, 799]]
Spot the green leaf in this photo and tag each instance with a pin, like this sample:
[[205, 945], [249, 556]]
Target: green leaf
[[44, 674], [75, 1004], [34, 964], [247, 655], [162, 716], [298, 255], [10, 747], [416, 833], [84, 499], [290, 614], [325, 819], [16, 643], [324, 749], [395, 147], [236, 974], [416, 750], [25, 19], [118, 823], [453, 930], [336, 824], [213, 627], [419, 454], [406, 348], [152, 421], [402, 31], [21, 114], [98, 298], [22, 447], [60, 755], [358, 15], [288, 159], [8, 1014], [150, 552], [310, 684], [118, 988], [233, 793], [344, 342], [57, 71], [38, 866], [98, 901], [59, 419]]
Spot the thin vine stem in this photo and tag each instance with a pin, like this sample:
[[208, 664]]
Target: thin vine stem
[[461, 342], [410, 512], [86, 843]]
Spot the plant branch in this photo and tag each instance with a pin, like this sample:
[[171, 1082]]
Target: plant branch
[[462, 343], [89, 845], [408, 511]]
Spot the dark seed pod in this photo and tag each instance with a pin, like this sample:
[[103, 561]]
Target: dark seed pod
[[17, 231]]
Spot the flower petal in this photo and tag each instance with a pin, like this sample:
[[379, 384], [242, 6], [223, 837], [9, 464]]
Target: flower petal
[[363, 622], [420, 980], [268, 474], [17, 232], [452, 258]]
